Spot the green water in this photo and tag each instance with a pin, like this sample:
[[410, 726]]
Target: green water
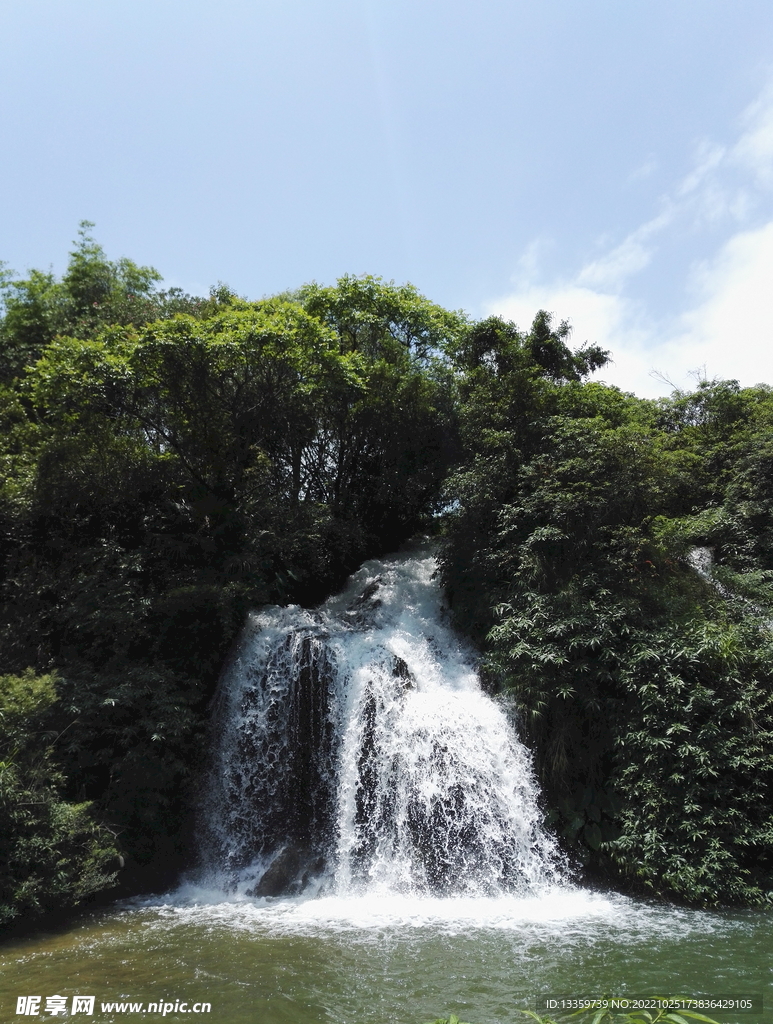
[[387, 960]]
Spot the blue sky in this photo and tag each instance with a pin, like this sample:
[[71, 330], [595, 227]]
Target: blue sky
[[611, 162]]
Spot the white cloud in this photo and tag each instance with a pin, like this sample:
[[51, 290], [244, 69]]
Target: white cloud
[[731, 327], [601, 315], [596, 317], [726, 323], [754, 149], [632, 255], [728, 329], [644, 170], [708, 159]]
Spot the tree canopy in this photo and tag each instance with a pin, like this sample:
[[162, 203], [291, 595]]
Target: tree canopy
[[169, 462]]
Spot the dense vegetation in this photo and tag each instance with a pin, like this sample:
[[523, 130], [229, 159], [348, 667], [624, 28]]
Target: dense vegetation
[[170, 461], [647, 691]]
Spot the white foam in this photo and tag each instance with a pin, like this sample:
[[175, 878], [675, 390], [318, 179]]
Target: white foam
[[420, 785], [560, 913]]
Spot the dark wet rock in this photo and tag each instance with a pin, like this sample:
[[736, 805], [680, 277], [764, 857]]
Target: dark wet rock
[[367, 597], [370, 590], [281, 777], [401, 671], [315, 868], [289, 872]]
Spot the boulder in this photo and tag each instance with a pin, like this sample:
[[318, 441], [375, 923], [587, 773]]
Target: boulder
[[289, 872]]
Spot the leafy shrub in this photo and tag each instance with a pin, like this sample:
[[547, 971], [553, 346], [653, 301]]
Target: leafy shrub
[[53, 854], [694, 761], [167, 463], [644, 689]]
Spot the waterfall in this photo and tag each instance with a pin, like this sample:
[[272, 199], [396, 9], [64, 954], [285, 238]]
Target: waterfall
[[701, 559], [356, 752]]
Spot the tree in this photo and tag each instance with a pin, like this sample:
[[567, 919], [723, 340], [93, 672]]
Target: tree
[[566, 533], [93, 293], [164, 477], [53, 853]]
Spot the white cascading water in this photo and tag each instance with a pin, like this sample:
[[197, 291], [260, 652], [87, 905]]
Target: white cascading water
[[356, 753], [701, 559]]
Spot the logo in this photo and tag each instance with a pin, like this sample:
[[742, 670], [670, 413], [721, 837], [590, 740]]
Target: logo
[[29, 1006]]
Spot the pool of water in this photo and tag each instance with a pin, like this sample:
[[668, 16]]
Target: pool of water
[[386, 958]]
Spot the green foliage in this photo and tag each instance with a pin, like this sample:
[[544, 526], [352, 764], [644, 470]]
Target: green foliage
[[641, 685], [696, 763], [93, 293], [168, 462], [382, 321], [52, 852], [163, 477]]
